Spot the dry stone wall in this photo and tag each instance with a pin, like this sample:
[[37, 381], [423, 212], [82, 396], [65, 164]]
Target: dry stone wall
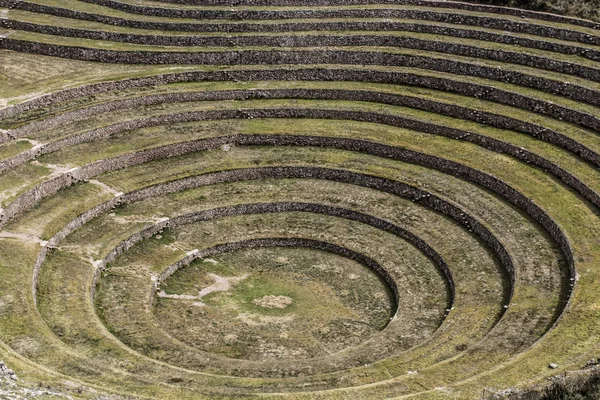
[[498, 121], [321, 74], [26, 200], [524, 262], [444, 17], [322, 41], [310, 40], [277, 57], [241, 15], [417, 195], [426, 3]]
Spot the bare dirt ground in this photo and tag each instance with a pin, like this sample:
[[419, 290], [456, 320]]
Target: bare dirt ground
[[273, 301], [221, 284], [23, 236]]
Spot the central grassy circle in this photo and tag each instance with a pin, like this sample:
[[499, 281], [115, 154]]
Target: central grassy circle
[[273, 303]]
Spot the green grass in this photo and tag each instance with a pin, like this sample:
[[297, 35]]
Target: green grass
[[467, 156], [11, 149], [102, 345], [319, 299], [47, 218], [73, 4], [70, 23], [41, 38], [145, 138], [23, 77], [20, 179], [41, 78], [314, 301]]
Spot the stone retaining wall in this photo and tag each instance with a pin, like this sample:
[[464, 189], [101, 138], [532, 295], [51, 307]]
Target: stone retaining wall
[[309, 40], [247, 209], [423, 3], [276, 242], [318, 74], [497, 121], [446, 16], [386, 185], [416, 195], [322, 41], [449, 16], [278, 57], [342, 143], [382, 184]]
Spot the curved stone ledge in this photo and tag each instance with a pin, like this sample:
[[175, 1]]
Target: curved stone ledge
[[328, 40], [259, 208], [426, 3], [295, 57], [497, 121], [377, 183], [291, 242], [244, 209], [443, 165], [286, 242], [398, 188], [501, 24], [349, 144], [242, 15], [320, 26], [318, 74], [383, 184], [336, 361], [374, 384]]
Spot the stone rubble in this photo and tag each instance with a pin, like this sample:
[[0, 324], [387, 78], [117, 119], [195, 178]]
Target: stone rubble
[[7, 372], [9, 390]]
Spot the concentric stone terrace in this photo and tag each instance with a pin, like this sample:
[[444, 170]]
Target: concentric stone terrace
[[299, 199]]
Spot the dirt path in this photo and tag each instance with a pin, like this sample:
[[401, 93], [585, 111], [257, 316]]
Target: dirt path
[[23, 236], [106, 187], [35, 143], [221, 284], [56, 169], [162, 293]]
